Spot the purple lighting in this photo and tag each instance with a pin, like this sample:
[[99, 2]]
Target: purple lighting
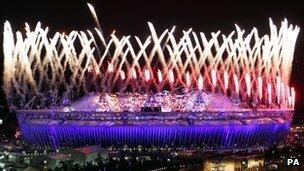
[[221, 131], [208, 136]]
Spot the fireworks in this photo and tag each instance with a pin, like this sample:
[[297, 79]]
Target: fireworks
[[223, 92], [37, 64]]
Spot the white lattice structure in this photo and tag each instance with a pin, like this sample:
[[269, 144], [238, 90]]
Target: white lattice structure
[[240, 63]]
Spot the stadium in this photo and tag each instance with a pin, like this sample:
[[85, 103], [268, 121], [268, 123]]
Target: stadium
[[215, 92]]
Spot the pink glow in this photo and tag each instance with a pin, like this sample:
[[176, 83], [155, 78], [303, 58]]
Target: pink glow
[[213, 76], [288, 91], [260, 87], [133, 72], [226, 80], [110, 68], [147, 75], [278, 79], [269, 94], [200, 82], [293, 97], [122, 75], [159, 76], [171, 76], [188, 79], [288, 95], [248, 84], [236, 83], [283, 93]]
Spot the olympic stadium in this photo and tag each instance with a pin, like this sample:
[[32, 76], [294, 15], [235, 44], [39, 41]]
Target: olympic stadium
[[226, 92]]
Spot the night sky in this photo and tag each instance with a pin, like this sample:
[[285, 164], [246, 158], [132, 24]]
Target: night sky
[[130, 18]]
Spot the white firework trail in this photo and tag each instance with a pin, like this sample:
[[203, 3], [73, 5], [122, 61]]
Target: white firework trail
[[36, 63]]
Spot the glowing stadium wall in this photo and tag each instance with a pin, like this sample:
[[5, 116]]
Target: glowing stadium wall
[[212, 135], [209, 136]]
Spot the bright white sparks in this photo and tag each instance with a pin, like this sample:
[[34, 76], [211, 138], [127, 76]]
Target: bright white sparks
[[36, 62]]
